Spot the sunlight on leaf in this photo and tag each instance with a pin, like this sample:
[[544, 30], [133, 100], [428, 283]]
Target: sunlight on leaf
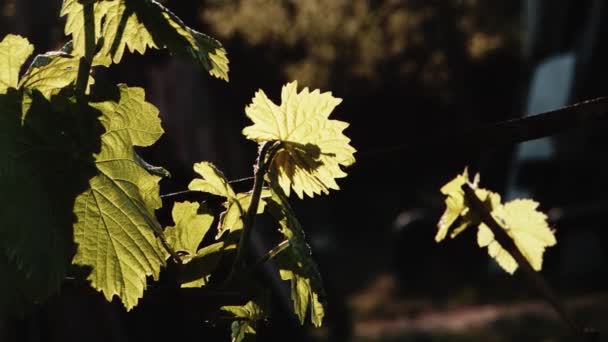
[[197, 272], [526, 226], [191, 225], [138, 25], [213, 181], [50, 72], [248, 314], [296, 263], [232, 219], [116, 225], [519, 218], [14, 51], [314, 147]]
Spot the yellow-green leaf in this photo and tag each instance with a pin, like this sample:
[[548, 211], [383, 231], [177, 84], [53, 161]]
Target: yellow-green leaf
[[197, 272], [137, 25], [232, 219], [248, 315], [296, 263], [116, 225], [457, 208], [14, 50], [526, 226], [314, 147], [454, 203], [51, 72], [213, 181], [191, 225]]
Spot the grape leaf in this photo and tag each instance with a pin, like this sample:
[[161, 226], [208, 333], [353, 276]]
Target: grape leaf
[[296, 263], [191, 225], [248, 314], [213, 181], [232, 219], [47, 162], [52, 71], [116, 226], [526, 226], [140, 24], [14, 50], [314, 147], [198, 271], [458, 209]]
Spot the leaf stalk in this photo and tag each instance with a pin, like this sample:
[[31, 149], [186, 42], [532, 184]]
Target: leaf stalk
[[533, 278], [266, 154]]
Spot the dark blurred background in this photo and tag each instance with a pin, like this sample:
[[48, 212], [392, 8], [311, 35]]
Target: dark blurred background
[[416, 77]]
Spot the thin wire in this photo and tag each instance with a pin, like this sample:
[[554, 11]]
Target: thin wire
[[241, 180], [187, 191], [176, 193]]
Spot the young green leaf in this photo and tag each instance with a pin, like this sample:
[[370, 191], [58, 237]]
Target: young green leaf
[[14, 50], [191, 225], [248, 315], [526, 226], [51, 72], [197, 272], [213, 181], [232, 219], [457, 208], [296, 263], [314, 146], [140, 24], [519, 218], [116, 225]]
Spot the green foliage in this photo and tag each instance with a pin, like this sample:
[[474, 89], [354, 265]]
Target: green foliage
[[214, 182], [77, 197], [47, 160], [115, 217], [138, 25], [519, 218], [191, 225], [14, 50], [296, 264], [314, 147], [247, 315]]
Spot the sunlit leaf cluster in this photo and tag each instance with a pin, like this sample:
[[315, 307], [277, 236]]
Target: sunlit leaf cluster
[[524, 224], [77, 200]]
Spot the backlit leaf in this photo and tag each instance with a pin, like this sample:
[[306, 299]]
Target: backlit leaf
[[14, 50], [314, 147], [526, 226], [51, 72], [197, 272], [248, 315], [232, 219], [137, 25], [296, 263], [213, 181], [457, 209], [191, 225], [116, 225]]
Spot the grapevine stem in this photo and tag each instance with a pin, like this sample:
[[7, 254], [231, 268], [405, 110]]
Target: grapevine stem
[[265, 156], [84, 66], [533, 278]]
